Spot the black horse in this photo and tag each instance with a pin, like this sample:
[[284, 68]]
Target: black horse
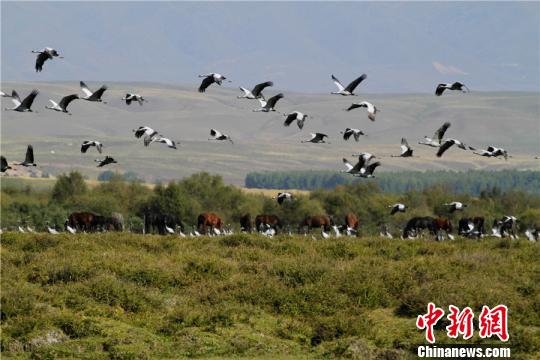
[[158, 222], [417, 224]]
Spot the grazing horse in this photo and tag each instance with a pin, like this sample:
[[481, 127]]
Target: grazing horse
[[471, 227], [417, 224], [263, 222], [317, 221], [351, 221], [442, 224], [156, 221], [245, 223], [208, 219], [82, 221]]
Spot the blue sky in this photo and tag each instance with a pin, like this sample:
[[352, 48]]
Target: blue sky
[[401, 46]]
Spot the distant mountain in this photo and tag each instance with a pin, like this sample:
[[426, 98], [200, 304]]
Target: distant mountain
[[505, 119], [402, 46]]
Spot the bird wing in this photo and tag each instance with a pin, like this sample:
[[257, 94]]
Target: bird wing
[[371, 167], [40, 60], [321, 136], [85, 145], [347, 164], [347, 133], [148, 139], [259, 87], [273, 100], [99, 92], [215, 133], [440, 89], [29, 155], [99, 146], [15, 98], [54, 104], [4, 162], [447, 144], [354, 106], [441, 131], [263, 102], [27, 102], [85, 89], [66, 100], [404, 146], [338, 83], [246, 91], [290, 118], [207, 81], [350, 88]]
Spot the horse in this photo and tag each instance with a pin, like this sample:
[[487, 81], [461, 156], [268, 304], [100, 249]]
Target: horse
[[82, 221], [156, 221], [442, 224], [471, 227], [263, 222], [208, 219], [351, 221], [419, 223], [317, 221], [245, 223]]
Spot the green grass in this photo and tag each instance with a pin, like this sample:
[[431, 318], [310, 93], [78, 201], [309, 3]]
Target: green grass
[[125, 296]]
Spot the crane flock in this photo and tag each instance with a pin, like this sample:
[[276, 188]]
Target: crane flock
[[363, 168]]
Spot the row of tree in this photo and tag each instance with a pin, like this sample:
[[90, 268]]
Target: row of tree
[[471, 182], [185, 199]]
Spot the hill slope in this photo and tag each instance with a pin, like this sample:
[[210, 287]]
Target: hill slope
[[509, 120]]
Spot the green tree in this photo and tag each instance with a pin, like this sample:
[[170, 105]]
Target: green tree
[[68, 187]]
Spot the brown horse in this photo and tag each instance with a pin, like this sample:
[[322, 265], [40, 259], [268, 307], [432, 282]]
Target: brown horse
[[442, 224], [317, 221], [351, 221], [208, 219], [82, 221], [262, 221]]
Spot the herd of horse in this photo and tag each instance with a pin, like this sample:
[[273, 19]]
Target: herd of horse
[[209, 223]]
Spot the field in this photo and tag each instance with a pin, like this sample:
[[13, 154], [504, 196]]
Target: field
[[126, 296]]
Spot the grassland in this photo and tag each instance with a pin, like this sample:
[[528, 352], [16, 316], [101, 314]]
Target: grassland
[[125, 296]]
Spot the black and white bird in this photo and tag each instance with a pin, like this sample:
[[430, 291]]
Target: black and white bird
[[68, 228], [26, 104], [93, 96], [398, 207], [209, 79], [455, 86], [436, 140], [5, 167], [108, 160], [129, 97], [217, 135], [371, 109], [256, 92], [456, 206], [316, 138], [88, 143], [63, 104], [448, 143], [44, 55], [406, 150], [268, 105], [349, 90], [29, 158], [51, 230], [352, 132], [295, 115], [491, 151], [362, 168], [161, 139], [282, 196]]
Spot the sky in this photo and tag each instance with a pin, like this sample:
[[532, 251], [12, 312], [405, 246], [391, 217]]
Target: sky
[[403, 47]]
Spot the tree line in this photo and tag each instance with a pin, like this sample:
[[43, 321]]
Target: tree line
[[185, 199], [472, 182]]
